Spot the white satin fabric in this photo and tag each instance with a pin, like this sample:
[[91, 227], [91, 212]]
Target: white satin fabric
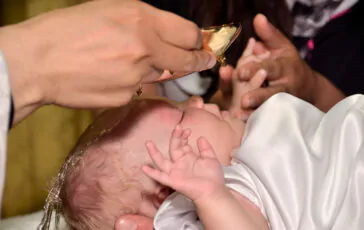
[[304, 169], [183, 88]]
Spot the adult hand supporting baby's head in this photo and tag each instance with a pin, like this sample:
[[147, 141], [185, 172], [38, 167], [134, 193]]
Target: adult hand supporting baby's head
[[134, 222]]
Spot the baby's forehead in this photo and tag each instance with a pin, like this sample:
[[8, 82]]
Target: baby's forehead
[[141, 118], [159, 111]]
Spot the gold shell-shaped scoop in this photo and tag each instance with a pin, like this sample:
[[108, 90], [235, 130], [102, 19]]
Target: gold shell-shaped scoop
[[217, 39]]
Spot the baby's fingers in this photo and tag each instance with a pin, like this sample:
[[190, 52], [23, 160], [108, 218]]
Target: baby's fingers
[[159, 160], [258, 79], [249, 47], [179, 142], [257, 97], [176, 138], [157, 175], [205, 148]]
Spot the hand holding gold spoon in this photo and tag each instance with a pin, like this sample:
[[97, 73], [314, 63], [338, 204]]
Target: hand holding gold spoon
[[216, 39]]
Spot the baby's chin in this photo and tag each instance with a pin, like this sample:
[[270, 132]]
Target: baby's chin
[[163, 195]]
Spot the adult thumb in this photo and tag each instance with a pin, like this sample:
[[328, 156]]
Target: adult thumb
[[270, 35], [134, 222]]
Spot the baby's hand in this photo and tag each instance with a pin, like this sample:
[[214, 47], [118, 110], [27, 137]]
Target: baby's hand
[[242, 87], [196, 175]]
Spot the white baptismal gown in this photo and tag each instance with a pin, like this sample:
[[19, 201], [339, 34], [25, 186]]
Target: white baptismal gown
[[303, 168]]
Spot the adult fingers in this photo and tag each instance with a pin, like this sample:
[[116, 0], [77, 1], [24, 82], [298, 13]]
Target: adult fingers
[[177, 31], [241, 88], [176, 59], [271, 36], [273, 67], [134, 222], [226, 74], [164, 76]]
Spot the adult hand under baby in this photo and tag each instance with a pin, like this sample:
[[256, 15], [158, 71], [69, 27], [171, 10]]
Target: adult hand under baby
[[286, 71], [134, 222], [95, 55]]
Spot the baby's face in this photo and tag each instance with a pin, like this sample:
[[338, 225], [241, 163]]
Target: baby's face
[[155, 120], [223, 131], [156, 123]]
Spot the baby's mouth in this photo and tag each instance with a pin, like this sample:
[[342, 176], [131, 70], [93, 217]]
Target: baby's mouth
[[163, 194]]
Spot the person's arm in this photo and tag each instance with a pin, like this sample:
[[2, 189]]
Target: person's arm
[[326, 94], [96, 54], [286, 72]]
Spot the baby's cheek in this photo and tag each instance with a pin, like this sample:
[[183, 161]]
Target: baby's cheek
[[224, 159]]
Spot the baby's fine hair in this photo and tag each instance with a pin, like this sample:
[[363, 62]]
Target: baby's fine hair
[[92, 194], [88, 190], [88, 181]]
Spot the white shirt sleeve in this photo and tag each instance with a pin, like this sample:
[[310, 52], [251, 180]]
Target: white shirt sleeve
[[306, 167], [5, 97], [177, 213], [182, 88]]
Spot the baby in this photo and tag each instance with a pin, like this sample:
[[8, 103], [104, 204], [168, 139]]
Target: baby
[[294, 168], [102, 178], [290, 167]]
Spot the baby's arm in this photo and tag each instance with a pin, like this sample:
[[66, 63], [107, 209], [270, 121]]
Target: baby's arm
[[239, 87], [199, 176], [223, 211]]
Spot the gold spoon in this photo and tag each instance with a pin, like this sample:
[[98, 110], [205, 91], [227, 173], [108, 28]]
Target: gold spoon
[[216, 39]]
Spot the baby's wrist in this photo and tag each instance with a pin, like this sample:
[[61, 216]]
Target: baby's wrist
[[216, 195]]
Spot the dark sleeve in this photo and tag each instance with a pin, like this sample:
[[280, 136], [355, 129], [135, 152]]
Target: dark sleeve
[[338, 53]]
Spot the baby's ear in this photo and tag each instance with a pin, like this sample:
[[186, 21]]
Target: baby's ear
[[134, 222]]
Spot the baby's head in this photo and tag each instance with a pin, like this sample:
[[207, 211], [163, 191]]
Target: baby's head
[[107, 181]]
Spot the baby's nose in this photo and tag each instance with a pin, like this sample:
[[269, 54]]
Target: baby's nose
[[214, 109], [196, 102]]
